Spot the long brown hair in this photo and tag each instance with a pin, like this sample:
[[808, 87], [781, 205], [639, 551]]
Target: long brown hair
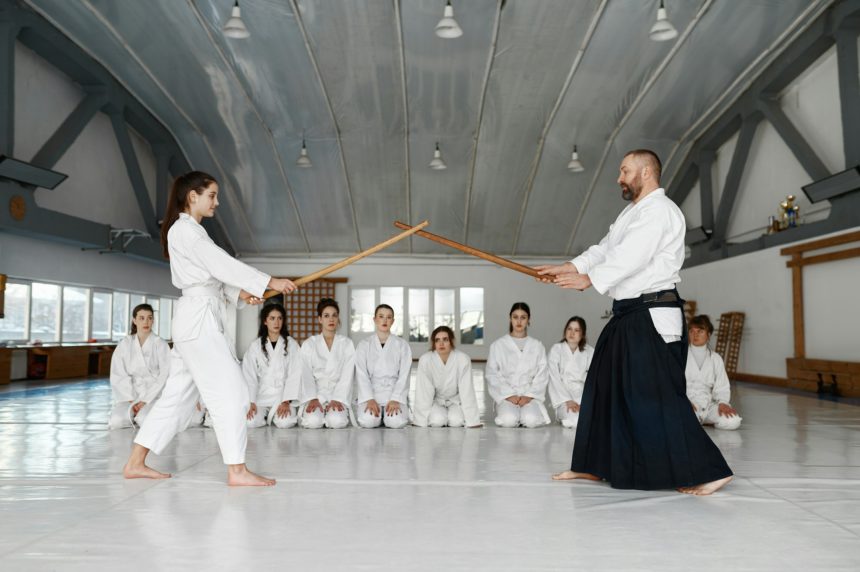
[[263, 330], [196, 181], [582, 339]]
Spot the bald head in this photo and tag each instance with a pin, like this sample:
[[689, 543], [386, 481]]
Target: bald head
[[647, 158]]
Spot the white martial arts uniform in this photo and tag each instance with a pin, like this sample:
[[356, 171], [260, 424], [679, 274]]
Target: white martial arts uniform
[[382, 374], [329, 374], [634, 257], [272, 378], [203, 357], [567, 371], [444, 392], [137, 373], [707, 387], [512, 372]]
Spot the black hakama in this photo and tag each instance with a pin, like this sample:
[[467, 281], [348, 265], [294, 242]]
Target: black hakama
[[637, 428]]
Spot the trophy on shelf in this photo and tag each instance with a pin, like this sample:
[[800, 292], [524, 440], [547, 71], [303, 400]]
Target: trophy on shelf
[[789, 216]]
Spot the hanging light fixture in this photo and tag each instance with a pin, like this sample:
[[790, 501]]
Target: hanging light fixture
[[575, 165], [662, 30], [437, 164], [448, 26], [304, 160], [235, 27]]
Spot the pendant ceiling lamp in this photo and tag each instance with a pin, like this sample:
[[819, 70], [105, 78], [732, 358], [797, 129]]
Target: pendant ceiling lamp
[[448, 26], [662, 30]]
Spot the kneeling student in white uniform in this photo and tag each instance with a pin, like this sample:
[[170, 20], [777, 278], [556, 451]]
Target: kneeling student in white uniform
[[707, 382], [329, 360], [444, 392], [382, 364], [516, 374], [138, 371], [273, 370], [569, 361]]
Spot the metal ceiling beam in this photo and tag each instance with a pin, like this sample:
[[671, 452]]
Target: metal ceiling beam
[[162, 175], [67, 133], [487, 71], [558, 101], [733, 178], [802, 150], [408, 177], [704, 166], [8, 34], [335, 124], [135, 175], [849, 93], [689, 172]]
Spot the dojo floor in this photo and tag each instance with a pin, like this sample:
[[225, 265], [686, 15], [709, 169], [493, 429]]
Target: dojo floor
[[418, 499]]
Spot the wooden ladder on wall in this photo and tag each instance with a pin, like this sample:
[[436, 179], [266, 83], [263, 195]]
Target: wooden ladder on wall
[[729, 335]]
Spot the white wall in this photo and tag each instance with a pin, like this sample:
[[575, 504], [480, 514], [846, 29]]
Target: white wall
[[551, 306]]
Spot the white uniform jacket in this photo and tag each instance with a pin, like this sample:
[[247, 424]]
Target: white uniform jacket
[[329, 373], [511, 372], [567, 371], [208, 277], [382, 373], [276, 376], [138, 373], [708, 384], [445, 384]]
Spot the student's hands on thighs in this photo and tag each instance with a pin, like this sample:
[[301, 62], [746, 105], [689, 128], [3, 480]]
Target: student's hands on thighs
[[392, 408], [252, 411], [726, 410], [313, 405], [572, 406], [336, 405], [524, 400], [373, 407], [284, 409]]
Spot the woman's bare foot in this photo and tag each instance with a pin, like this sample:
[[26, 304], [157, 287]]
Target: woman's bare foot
[[240, 476], [706, 488], [142, 472], [570, 475]]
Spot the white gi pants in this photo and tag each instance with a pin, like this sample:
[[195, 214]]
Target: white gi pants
[[566, 417], [120, 415], [510, 415], [369, 421], [204, 364], [269, 416], [441, 416], [333, 419], [710, 415]]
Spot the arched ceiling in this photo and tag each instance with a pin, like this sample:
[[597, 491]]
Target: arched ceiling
[[372, 89]]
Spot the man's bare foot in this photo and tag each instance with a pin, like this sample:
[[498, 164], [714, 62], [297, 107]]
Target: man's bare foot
[[142, 472], [245, 478], [570, 475], [706, 488]]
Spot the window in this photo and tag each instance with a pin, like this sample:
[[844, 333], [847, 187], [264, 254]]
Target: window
[[472, 316], [166, 320], [75, 313], [133, 301], [16, 324], [362, 301], [419, 314], [121, 312], [101, 310], [156, 312], [393, 296], [45, 312], [443, 308]]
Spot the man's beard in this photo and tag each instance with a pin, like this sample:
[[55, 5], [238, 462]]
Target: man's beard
[[630, 193]]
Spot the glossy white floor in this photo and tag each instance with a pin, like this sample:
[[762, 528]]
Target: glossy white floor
[[418, 499]]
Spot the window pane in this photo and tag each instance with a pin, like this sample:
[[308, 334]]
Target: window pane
[[45, 313], [393, 296], [101, 315], [14, 325], [134, 300], [156, 312], [443, 308], [75, 302], [166, 318], [472, 316], [120, 315], [419, 315], [361, 304]]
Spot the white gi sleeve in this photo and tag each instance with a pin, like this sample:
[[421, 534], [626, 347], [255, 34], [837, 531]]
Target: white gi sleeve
[[425, 391], [295, 386], [466, 390], [400, 391], [558, 393], [593, 256], [722, 391], [497, 383], [120, 379], [227, 269], [162, 355], [343, 390], [537, 387], [362, 376]]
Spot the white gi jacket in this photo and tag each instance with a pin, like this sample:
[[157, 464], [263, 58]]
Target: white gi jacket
[[329, 372], [708, 384], [276, 376], [642, 252], [445, 384], [382, 373], [567, 371], [138, 373], [511, 372], [208, 277]]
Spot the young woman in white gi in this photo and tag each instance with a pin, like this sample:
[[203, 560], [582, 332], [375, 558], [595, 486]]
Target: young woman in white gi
[[202, 359], [516, 374], [444, 392], [274, 370], [382, 364], [138, 370], [329, 360], [568, 362], [707, 382]]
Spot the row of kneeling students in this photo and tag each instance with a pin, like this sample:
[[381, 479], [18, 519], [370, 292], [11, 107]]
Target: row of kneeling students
[[329, 382]]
